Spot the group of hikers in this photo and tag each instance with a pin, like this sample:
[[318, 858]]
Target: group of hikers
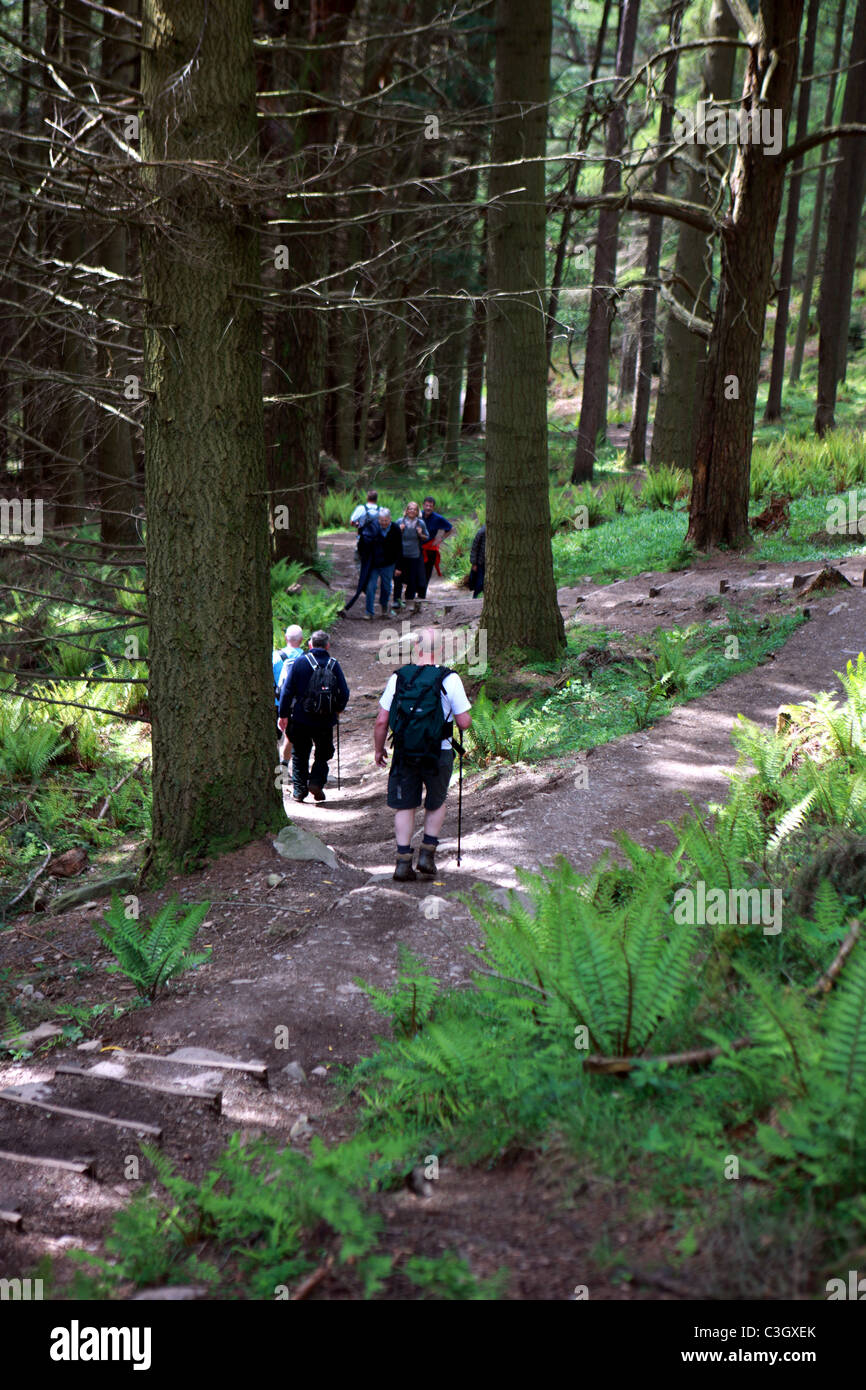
[[421, 702], [420, 705], [404, 554]]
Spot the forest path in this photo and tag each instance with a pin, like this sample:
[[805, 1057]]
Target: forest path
[[634, 783], [288, 946]]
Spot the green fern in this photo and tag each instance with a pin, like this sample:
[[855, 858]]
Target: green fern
[[26, 748], [152, 955], [496, 731], [408, 1006]]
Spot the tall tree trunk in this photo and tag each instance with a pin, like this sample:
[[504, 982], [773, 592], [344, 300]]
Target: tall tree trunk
[[72, 417], [636, 448], [684, 352], [38, 407], [471, 421], [116, 449], [720, 493], [396, 442], [773, 409], [14, 392], [627, 359], [818, 213], [571, 184], [451, 448], [520, 602], [843, 225], [294, 427], [207, 538], [596, 362]]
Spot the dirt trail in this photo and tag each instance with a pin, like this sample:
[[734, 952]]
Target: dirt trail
[[286, 956], [633, 783]]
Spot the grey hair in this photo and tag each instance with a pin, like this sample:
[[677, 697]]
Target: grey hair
[[384, 511], [294, 634], [320, 639]]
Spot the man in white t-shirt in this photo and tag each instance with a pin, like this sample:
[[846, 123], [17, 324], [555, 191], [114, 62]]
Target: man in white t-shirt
[[410, 776], [365, 509]]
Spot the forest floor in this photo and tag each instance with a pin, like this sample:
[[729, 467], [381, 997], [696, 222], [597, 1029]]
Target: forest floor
[[286, 957]]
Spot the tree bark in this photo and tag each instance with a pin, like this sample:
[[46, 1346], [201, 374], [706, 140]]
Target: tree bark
[[593, 405], [471, 422], [773, 409], [294, 428], [818, 214], [720, 493], [520, 602], [116, 450], [843, 225], [207, 538], [396, 441], [571, 185], [72, 416], [636, 447], [684, 352]]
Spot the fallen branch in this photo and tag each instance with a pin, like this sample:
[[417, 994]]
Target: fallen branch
[[116, 788], [698, 1057], [312, 1280], [15, 815], [825, 982], [49, 945], [30, 882]]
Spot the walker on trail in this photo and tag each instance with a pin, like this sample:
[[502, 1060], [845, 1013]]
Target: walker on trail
[[421, 704], [314, 695]]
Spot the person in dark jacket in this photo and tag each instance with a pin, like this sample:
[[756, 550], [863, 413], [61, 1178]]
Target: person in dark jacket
[[477, 557], [308, 731], [386, 551]]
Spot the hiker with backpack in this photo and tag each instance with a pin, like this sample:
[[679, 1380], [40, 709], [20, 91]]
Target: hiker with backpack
[[365, 509], [421, 703], [378, 551], [314, 694], [281, 661]]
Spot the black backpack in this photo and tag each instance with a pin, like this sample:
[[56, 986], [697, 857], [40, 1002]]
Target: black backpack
[[416, 720], [367, 533], [321, 698]]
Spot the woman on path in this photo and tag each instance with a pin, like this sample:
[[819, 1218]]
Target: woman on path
[[411, 574]]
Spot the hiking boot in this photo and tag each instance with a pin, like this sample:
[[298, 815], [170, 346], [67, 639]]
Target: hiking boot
[[427, 861], [295, 796], [403, 872], [368, 617], [316, 793]]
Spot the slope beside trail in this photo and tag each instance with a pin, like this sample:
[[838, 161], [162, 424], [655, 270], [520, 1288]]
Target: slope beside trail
[[291, 939]]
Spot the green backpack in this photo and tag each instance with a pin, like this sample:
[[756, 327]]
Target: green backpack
[[416, 721]]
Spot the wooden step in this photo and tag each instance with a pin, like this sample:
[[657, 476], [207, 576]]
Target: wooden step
[[211, 1099], [64, 1165], [257, 1070], [139, 1126]]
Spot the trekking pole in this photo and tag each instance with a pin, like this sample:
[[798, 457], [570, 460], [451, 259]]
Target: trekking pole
[[459, 799], [338, 752]]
